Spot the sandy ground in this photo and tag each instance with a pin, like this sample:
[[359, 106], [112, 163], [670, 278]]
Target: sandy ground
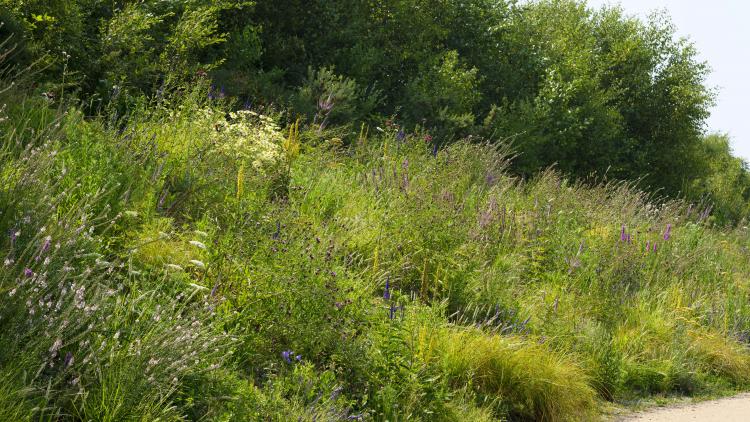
[[733, 409]]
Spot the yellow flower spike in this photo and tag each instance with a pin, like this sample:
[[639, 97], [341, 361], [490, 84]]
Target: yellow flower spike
[[240, 180]]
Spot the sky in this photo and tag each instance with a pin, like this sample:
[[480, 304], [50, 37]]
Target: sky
[[720, 30]]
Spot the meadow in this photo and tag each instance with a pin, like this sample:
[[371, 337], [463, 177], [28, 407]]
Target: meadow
[[195, 261], [421, 210]]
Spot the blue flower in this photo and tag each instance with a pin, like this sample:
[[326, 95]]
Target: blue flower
[[387, 291], [287, 356], [392, 311]]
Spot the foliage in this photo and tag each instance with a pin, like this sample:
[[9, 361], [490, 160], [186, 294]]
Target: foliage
[[177, 254]]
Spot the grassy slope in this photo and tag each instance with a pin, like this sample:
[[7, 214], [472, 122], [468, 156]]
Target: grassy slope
[[182, 276]]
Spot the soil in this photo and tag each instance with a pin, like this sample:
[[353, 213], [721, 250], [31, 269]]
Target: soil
[[733, 409]]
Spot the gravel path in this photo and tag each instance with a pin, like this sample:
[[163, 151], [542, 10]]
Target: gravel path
[[733, 409]]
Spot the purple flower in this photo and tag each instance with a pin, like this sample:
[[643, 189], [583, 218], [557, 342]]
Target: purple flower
[[623, 236], [387, 291], [668, 232], [68, 359], [392, 311], [298, 358], [287, 356], [46, 245], [278, 230], [28, 273], [654, 247], [434, 150], [401, 135], [326, 105], [648, 246]]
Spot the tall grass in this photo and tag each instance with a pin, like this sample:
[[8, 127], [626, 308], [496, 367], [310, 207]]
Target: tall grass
[[182, 263]]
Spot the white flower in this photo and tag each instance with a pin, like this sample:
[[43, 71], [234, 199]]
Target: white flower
[[197, 244], [198, 264]]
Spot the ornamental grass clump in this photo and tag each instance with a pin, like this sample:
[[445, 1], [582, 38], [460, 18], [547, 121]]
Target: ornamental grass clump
[[532, 382]]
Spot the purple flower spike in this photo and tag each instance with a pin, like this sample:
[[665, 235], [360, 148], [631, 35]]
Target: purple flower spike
[[68, 359], [47, 242], [392, 311], [654, 249], [668, 232], [434, 150], [387, 291], [28, 273], [401, 135], [622, 234], [648, 246]]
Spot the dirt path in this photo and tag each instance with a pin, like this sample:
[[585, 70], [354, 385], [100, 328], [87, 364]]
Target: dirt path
[[733, 409]]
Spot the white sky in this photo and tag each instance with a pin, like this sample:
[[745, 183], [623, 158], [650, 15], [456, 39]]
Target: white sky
[[720, 30]]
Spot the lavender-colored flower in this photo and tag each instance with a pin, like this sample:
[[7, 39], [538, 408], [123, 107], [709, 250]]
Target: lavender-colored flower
[[46, 244], [298, 358], [654, 247], [401, 135], [668, 232], [387, 291], [434, 150], [623, 235], [287, 356], [648, 246], [28, 273], [68, 359], [326, 105]]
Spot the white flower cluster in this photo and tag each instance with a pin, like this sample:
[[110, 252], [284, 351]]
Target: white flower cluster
[[249, 137]]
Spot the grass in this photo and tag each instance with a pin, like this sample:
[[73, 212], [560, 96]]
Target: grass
[[156, 268]]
